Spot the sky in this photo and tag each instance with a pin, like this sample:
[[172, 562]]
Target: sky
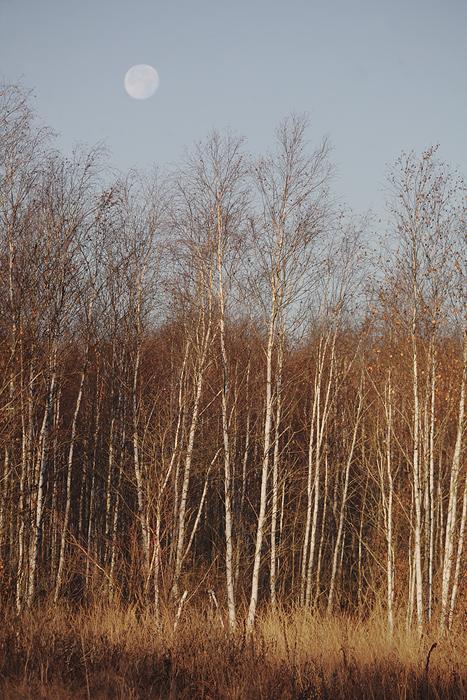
[[376, 76]]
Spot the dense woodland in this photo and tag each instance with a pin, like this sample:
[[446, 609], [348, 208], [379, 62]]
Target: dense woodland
[[219, 387]]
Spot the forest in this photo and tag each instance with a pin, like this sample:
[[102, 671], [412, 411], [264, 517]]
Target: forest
[[232, 423]]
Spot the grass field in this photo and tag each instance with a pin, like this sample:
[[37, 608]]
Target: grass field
[[116, 652]]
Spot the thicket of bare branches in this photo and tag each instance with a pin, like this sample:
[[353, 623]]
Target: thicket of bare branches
[[202, 392]]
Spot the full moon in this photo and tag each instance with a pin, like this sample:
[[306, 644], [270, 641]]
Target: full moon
[[141, 81]]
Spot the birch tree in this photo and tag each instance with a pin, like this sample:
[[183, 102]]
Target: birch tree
[[293, 205]]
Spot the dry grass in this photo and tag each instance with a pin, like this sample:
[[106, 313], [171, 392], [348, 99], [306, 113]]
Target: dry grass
[[118, 652]]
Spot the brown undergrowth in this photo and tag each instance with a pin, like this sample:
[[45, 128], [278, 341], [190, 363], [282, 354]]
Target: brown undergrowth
[[118, 652]]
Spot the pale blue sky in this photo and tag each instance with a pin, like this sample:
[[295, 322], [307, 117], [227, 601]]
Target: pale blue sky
[[376, 76]]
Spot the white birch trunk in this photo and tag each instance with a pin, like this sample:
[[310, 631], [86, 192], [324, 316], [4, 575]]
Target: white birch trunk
[[39, 505], [275, 473], [344, 503], [199, 379], [321, 424], [417, 525], [264, 477], [452, 504], [228, 479], [460, 547], [71, 449]]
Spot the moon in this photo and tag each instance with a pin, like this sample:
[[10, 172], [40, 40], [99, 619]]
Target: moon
[[141, 81]]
